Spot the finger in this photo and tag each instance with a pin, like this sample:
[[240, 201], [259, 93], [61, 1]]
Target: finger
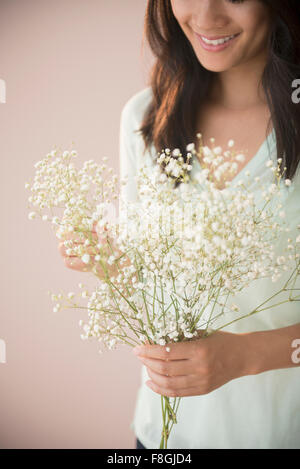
[[174, 351], [75, 263], [194, 391], [103, 235], [98, 228], [67, 236], [63, 250], [171, 382], [170, 368], [75, 236]]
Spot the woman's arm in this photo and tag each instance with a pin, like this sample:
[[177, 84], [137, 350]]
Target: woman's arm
[[199, 366], [273, 349]]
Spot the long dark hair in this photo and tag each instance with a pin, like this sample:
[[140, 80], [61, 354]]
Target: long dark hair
[[170, 119]]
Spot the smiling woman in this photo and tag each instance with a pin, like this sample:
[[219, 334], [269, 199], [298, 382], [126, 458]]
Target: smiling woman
[[195, 84], [227, 38], [240, 31], [224, 69]]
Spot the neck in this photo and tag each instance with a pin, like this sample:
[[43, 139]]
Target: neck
[[240, 87]]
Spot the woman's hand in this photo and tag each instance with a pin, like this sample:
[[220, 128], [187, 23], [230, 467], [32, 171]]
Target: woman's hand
[[198, 366], [75, 262]]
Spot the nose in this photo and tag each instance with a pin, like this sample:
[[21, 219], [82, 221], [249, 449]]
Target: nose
[[210, 16]]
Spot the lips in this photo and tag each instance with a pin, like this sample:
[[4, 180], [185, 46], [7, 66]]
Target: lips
[[217, 40], [216, 43]]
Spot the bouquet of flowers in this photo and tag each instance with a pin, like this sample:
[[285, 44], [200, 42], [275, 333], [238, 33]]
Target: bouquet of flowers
[[171, 264]]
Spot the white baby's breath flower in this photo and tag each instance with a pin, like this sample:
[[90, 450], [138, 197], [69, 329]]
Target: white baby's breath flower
[[272, 189], [240, 157], [217, 150], [207, 152], [280, 260], [163, 177]]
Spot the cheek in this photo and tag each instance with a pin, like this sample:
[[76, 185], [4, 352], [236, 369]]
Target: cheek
[[255, 20], [181, 11], [183, 16], [255, 23], [258, 39]]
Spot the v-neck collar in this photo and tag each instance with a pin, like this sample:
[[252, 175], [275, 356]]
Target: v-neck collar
[[266, 149]]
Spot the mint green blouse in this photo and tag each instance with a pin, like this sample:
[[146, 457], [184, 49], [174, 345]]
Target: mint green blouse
[[257, 411]]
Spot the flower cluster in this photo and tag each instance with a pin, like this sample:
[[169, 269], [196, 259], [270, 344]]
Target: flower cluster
[[82, 196], [190, 247], [181, 252]]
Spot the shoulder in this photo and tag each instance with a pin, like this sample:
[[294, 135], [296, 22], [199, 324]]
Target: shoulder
[[134, 109]]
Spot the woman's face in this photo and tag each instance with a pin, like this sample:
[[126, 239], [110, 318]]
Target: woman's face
[[244, 25]]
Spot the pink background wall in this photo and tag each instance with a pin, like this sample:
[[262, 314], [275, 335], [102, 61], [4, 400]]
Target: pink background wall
[[69, 66]]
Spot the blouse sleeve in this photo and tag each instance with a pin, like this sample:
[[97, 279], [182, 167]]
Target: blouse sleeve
[[127, 158], [131, 145]]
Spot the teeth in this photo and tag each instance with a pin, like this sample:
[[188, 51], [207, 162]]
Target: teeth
[[216, 42]]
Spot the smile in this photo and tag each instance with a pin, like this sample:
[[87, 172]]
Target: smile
[[216, 43]]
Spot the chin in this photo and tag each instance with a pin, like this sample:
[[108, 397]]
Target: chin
[[216, 65]]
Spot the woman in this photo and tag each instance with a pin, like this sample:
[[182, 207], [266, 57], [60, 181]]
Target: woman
[[225, 69]]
